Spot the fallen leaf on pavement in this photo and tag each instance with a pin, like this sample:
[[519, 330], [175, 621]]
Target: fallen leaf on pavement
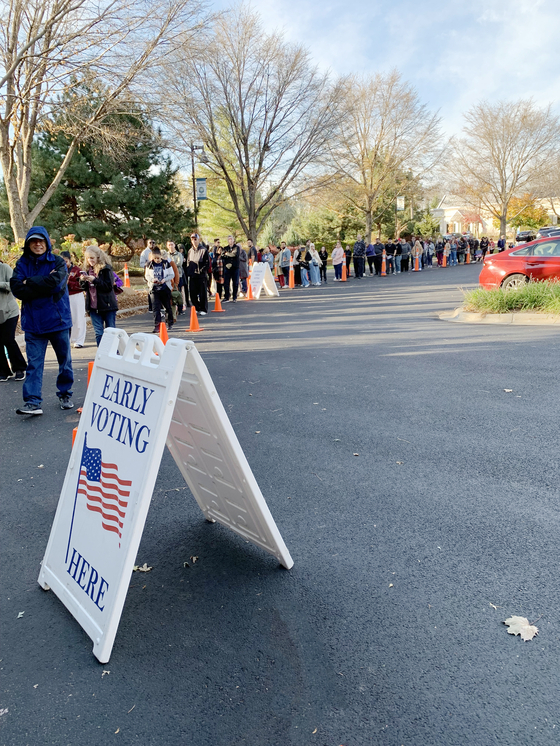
[[400, 463], [356, 454], [118, 729], [315, 731], [508, 391], [495, 607], [518, 625], [194, 559], [41, 466], [186, 564], [390, 585], [144, 568], [133, 706], [21, 613], [105, 672]]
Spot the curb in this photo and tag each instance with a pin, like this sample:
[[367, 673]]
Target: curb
[[512, 319]]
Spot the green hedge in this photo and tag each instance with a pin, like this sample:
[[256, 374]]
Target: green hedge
[[543, 297]]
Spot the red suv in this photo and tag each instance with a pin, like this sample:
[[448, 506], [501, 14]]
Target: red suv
[[537, 260]]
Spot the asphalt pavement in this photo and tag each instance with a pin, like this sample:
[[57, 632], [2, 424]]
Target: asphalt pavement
[[411, 466]]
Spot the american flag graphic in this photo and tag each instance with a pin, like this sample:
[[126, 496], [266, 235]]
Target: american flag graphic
[[105, 492]]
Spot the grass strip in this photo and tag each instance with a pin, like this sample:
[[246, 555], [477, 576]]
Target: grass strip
[[537, 297]]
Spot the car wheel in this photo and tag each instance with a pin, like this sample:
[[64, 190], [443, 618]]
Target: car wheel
[[513, 282]]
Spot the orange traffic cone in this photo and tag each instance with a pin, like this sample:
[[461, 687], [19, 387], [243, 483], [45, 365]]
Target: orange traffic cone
[[194, 327], [126, 277], [217, 305], [249, 295], [468, 259], [384, 264], [90, 370], [416, 263], [74, 433], [291, 279], [163, 332], [344, 277], [444, 260]]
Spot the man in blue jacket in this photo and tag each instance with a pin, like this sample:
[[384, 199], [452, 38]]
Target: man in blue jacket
[[40, 281]]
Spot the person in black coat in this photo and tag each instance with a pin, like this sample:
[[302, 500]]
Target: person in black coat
[[198, 267], [97, 280]]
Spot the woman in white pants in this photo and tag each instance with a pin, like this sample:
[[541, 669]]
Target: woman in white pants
[[77, 302]]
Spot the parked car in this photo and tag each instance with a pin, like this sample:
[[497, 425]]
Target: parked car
[[525, 236], [536, 260], [548, 230]]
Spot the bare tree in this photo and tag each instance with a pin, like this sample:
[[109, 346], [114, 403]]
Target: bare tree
[[504, 149], [386, 132], [48, 47], [262, 112]]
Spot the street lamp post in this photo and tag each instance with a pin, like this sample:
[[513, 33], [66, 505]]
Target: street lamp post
[[202, 159]]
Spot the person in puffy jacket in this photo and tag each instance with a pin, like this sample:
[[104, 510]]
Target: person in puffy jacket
[[12, 362], [40, 281], [97, 279]]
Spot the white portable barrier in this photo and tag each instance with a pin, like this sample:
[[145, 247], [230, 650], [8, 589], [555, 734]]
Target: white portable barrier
[[261, 279], [141, 396]]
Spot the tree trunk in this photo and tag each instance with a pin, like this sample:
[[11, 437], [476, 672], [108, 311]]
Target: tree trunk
[[369, 223], [503, 224]]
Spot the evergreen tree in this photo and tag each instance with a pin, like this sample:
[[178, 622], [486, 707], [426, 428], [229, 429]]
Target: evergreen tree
[[111, 196]]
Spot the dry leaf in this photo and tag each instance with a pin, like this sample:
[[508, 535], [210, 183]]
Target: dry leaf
[[194, 559], [315, 731], [105, 672], [257, 432], [186, 564], [21, 613], [41, 466], [494, 607], [356, 454], [144, 568], [118, 729], [35, 686], [133, 706], [400, 463], [518, 625], [508, 391], [390, 585]]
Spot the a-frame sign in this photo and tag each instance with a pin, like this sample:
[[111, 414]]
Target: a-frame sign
[[141, 396]]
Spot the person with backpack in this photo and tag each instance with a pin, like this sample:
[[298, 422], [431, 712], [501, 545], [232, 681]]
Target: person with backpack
[[98, 281], [198, 268], [159, 275]]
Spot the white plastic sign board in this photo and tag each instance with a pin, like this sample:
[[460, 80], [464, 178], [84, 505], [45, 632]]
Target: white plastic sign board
[[261, 278], [142, 394]]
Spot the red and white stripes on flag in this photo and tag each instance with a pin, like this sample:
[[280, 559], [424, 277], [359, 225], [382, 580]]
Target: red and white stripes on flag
[[105, 492]]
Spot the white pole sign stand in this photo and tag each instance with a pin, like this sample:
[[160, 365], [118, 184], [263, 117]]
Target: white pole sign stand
[[262, 279], [142, 395]]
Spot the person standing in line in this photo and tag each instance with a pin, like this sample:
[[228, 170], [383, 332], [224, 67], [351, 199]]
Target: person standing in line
[[159, 275], [284, 262], [405, 259], [304, 259], [417, 254], [378, 257], [447, 253], [439, 251], [266, 256], [40, 281], [12, 362], [178, 258], [337, 259], [218, 268], [243, 271], [252, 252], [230, 256], [398, 255], [348, 255], [370, 256], [314, 265], [431, 250], [323, 256], [390, 250], [145, 255], [501, 244], [359, 257], [453, 255], [77, 302], [198, 267], [297, 269], [96, 278]]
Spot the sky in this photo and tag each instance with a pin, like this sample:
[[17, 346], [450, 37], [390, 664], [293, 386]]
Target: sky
[[454, 52]]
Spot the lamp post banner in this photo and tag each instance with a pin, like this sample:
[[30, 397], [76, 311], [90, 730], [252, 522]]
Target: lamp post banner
[[131, 402], [201, 189]]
